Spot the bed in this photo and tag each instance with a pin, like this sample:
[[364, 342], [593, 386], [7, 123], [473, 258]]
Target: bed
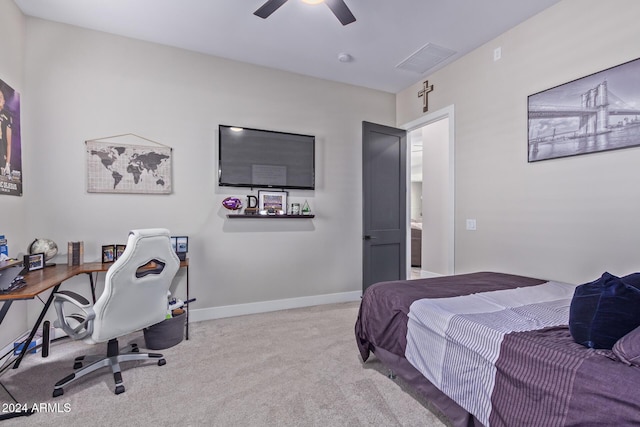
[[534, 373]]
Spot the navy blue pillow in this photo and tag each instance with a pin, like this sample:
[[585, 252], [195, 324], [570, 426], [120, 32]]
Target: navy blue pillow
[[632, 279], [603, 311]]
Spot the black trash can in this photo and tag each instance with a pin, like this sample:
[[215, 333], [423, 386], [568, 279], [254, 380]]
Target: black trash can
[[165, 334]]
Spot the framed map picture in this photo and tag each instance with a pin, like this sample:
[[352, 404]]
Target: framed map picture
[[126, 168]]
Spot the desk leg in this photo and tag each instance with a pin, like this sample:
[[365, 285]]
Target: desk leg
[[93, 286], [10, 415], [5, 308], [6, 416], [16, 414], [35, 327], [187, 331]]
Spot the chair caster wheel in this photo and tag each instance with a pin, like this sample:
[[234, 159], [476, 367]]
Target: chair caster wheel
[[162, 362], [119, 389], [134, 348], [58, 392], [77, 365]]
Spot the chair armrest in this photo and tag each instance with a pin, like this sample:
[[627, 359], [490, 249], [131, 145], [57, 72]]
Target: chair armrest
[[73, 298], [76, 325]]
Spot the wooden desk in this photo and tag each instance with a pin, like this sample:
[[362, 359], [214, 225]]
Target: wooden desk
[[52, 277], [41, 280]]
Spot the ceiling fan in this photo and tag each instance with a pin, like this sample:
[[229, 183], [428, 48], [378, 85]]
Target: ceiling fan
[[338, 7]]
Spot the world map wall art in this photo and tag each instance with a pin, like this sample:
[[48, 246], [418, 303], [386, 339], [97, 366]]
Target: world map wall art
[[117, 167]]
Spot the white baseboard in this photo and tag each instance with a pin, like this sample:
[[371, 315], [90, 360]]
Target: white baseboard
[[424, 274], [200, 314]]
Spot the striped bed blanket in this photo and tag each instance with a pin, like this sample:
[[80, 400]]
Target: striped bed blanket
[[456, 342]]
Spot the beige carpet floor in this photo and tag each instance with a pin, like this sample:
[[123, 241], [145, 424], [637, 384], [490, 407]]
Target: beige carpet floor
[[297, 367]]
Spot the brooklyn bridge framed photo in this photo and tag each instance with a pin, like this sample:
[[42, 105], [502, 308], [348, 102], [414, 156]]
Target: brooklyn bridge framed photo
[[599, 112]]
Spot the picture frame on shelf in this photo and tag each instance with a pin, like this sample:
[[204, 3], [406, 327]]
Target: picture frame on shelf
[[108, 253], [34, 262], [272, 202], [119, 250]]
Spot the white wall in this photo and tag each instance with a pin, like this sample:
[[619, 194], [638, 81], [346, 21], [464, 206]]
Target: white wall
[[85, 85], [565, 219], [435, 197], [416, 200], [12, 208]]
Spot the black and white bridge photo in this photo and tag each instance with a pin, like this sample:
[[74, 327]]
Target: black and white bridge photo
[[599, 112]]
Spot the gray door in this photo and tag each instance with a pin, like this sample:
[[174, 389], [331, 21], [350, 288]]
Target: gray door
[[384, 178]]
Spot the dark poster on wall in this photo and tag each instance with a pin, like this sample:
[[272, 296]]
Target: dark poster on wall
[[10, 145]]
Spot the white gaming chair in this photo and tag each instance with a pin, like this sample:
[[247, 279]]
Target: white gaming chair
[[134, 297]]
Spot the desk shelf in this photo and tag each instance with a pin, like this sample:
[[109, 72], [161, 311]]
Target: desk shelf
[[243, 216]]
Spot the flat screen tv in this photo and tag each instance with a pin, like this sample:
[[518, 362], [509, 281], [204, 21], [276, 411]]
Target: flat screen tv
[[263, 158]]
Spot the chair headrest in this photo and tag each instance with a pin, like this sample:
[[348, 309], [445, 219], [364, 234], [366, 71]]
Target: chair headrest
[[150, 232]]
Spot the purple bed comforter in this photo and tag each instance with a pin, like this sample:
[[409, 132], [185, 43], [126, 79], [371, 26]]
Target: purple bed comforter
[[543, 377]]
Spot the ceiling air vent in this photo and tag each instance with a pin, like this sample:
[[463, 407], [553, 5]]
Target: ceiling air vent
[[425, 58]]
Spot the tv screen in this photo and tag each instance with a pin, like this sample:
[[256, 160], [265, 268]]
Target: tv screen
[[263, 158]]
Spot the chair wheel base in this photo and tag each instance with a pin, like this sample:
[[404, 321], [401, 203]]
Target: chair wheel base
[[162, 362], [119, 389], [58, 392]]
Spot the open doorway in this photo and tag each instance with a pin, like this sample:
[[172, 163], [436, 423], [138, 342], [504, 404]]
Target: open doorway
[[431, 203]]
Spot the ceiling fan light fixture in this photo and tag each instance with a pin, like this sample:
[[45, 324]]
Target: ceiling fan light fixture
[[338, 7]]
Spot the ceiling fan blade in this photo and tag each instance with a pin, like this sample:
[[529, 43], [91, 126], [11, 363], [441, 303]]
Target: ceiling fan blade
[[342, 12], [268, 8]]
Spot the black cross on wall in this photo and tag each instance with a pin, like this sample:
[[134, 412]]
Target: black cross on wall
[[424, 93]]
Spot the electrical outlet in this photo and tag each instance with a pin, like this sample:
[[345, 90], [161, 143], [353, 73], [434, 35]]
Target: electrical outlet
[[471, 224], [497, 53]]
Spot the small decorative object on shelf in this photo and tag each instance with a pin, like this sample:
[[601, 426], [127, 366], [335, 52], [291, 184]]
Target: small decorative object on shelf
[[232, 203], [272, 212], [295, 208], [252, 205], [306, 210]]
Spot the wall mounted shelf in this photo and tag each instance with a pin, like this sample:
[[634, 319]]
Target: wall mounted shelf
[[243, 216]]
